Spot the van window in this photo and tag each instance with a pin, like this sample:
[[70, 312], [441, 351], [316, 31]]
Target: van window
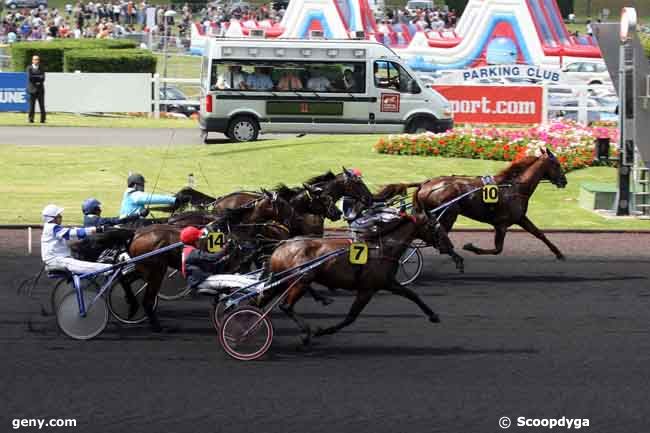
[[288, 76], [390, 75]]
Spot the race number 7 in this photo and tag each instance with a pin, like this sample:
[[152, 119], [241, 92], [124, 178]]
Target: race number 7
[[490, 194], [358, 253], [215, 242]]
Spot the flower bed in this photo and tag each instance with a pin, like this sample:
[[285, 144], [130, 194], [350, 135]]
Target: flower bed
[[571, 142]]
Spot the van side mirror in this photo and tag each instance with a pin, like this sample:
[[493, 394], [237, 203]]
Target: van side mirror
[[413, 87]]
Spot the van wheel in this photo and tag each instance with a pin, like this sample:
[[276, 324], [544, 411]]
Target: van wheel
[[419, 126], [595, 83], [243, 128]]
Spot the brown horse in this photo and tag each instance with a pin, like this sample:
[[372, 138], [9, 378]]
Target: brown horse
[[516, 183], [377, 274]]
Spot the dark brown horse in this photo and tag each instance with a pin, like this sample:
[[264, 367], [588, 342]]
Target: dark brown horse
[[377, 274], [516, 183]]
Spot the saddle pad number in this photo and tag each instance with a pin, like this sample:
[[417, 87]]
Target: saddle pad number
[[215, 242], [490, 194], [358, 253]]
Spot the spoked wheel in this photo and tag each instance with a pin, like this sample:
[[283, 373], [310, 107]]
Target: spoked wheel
[[410, 266], [173, 286], [246, 334], [119, 306], [82, 327], [63, 287], [218, 314]]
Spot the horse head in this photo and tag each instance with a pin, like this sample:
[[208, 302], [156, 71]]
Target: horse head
[[322, 203], [553, 169], [355, 187], [272, 207]]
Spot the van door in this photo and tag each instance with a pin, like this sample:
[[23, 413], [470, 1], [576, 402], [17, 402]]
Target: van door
[[397, 94]]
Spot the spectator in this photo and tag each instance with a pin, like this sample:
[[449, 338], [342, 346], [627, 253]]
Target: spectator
[[233, 78], [35, 88], [260, 80], [289, 81], [318, 82], [588, 28]]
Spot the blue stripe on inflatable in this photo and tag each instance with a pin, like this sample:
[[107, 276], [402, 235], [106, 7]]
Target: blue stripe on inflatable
[[311, 16], [418, 63], [354, 13]]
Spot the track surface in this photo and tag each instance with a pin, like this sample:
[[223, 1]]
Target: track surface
[[521, 335]]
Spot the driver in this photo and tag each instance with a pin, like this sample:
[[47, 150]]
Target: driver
[[198, 266], [92, 210], [135, 199], [55, 250]]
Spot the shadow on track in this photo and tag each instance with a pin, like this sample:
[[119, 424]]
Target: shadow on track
[[534, 278]]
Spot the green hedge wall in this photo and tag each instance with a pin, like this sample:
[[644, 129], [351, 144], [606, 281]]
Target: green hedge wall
[[117, 61], [645, 41], [52, 52]]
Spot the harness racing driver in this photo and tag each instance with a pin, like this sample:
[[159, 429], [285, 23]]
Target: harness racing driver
[[92, 210], [135, 199], [55, 250]]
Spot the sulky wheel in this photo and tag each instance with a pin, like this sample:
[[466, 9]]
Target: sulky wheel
[[410, 266], [120, 307], [76, 326], [63, 287], [173, 286], [218, 314], [246, 333]]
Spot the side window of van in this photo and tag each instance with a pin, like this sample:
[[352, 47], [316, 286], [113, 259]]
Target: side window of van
[[390, 75]]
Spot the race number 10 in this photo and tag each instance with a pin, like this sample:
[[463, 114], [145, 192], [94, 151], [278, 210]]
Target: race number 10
[[215, 242], [490, 194], [358, 253]]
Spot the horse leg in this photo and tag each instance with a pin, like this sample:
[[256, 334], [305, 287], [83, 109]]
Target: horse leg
[[129, 295], [445, 246], [499, 237], [400, 290], [360, 302], [531, 228], [294, 295], [318, 296], [154, 281]]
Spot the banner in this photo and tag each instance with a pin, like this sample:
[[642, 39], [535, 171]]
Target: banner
[[13, 91], [495, 104], [529, 72]]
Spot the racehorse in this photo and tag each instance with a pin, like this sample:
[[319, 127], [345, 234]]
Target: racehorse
[[516, 184], [377, 274]]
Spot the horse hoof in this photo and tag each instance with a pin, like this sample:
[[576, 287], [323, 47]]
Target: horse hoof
[[434, 318], [156, 328], [469, 247], [133, 308]]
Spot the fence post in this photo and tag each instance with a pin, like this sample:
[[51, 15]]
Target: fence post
[[583, 109], [29, 241], [156, 96]]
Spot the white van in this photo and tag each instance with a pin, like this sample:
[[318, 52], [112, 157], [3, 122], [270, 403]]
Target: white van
[[313, 86]]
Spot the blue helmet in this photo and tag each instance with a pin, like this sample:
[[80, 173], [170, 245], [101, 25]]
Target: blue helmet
[[91, 206]]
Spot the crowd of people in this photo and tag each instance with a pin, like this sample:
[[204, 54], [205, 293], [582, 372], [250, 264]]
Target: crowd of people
[[91, 20]]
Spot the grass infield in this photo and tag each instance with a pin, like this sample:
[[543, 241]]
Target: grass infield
[[34, 176]]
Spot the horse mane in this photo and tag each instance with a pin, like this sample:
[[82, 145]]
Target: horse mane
[[285, 192], [393, 190], [325, 177], [517, 168]]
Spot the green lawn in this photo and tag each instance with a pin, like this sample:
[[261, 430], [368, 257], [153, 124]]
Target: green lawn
[[57, 119], [34, 176]]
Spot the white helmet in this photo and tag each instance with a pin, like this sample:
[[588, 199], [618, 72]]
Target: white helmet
[[50, 212]]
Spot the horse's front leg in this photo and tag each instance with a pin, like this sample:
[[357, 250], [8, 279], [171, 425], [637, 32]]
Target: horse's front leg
[[499, 237], [295, 293], [400, 290], [531, 228], [360, 302], [153, 278], [125, 282]]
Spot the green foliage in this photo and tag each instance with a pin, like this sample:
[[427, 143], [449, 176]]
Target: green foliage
[[52, 52], [645, 42], [116, 61], [566, 7]]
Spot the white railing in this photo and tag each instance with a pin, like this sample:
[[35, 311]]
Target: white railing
[[579, 93], [159, 82]]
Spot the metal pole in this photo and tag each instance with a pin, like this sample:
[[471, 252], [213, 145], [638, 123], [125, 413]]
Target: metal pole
[[29, 241], [623, 193]]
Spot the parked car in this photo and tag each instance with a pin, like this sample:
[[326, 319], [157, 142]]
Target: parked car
[[31, 4], [586, 73], [172, 93]]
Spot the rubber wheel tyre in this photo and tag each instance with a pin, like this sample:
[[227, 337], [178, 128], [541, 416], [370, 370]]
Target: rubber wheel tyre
[[218, 314], [410, 266], [419, 126], [243, 128], [119, 306], [63, 287], [173, 286], [73, 324], [246, 334]]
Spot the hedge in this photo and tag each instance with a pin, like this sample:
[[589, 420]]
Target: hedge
[[645, 42], [120, 61], [52, 52]]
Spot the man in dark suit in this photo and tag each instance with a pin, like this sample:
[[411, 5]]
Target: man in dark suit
[[35, 88]]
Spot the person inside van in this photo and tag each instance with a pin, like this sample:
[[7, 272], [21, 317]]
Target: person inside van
[[318, 82], [233, 78], [349, 82], [260, 80], [289, 81]]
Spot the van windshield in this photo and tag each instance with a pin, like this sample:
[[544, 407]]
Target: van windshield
[[288, 76]]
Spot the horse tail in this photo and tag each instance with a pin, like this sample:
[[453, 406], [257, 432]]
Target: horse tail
[[395, 189]]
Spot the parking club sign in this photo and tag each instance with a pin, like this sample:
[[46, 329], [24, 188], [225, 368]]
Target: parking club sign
[[13, 91]]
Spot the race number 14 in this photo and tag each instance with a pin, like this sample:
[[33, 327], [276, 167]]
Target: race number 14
[[215, 242], [490, 194], [358, 253]]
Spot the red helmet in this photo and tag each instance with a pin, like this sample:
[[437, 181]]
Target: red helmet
[[356, 172], [189, 235]]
